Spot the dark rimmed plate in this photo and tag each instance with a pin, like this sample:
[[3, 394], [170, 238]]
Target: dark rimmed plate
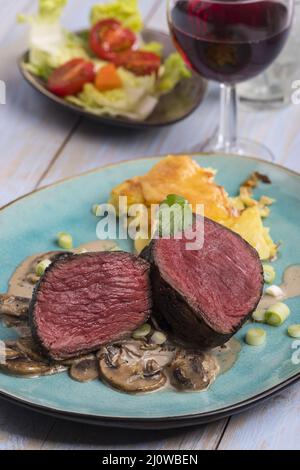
[[173, 107], [258, 374]]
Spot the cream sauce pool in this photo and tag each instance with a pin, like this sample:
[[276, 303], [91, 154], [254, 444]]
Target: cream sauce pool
[[290, 287], [23, 280]]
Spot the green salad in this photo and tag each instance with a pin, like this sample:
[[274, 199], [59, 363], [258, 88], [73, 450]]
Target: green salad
[[107, 70]]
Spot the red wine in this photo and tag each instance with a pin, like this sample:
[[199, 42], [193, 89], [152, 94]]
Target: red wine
[[229, 41]]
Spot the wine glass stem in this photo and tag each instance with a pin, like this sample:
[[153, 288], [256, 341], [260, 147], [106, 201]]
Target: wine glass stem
[[227, 136]]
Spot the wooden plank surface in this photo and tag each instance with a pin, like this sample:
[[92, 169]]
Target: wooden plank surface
[[77, 436], [31, 130], [21, 429], [41, 144], [9, 11], [274, 425]]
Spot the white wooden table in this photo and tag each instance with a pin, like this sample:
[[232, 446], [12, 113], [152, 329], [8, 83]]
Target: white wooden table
[[40, 144]]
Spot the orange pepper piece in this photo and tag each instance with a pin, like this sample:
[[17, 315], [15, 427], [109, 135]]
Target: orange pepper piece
[[108, 78]]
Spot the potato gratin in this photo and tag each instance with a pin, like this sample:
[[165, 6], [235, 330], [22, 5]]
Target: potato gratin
[[183, 176]]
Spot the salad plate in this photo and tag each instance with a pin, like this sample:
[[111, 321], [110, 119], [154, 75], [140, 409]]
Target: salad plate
[[117, 72], [171, 108], [29, 225]]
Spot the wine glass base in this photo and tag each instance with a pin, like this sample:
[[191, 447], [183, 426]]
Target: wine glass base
[[247, 148]]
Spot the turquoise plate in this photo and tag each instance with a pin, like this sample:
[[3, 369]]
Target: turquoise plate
[[29, 226]]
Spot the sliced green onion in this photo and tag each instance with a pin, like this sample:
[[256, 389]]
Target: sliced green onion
[[115, 248], [33, 278], [158, 338], [269, 273], [142, 331], [96, 210], [256, 337], [277, 314], [259, 316], [267, 201], [294, 331], [274, 291], [174, 215], [175, 199], [65, 241], [264, 212], [80, 251], [41, 267]]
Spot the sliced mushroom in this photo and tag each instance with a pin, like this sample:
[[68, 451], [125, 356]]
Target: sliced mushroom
[[29, 348], [125, 368], [9, 343], [193, 370], [112, 356], [85, 370], [131, 378], [74, 360], [14, 306], [13, 322], [24, 348], [148, 347], [151, 368], [23, 367], [22, 358], [132, 352], [7, 352], [19, 325], [32, 278], [23, 330]]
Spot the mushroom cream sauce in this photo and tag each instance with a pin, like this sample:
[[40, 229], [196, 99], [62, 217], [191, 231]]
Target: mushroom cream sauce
[[132, 366]]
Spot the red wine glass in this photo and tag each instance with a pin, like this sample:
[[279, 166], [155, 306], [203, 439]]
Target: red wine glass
[[230, 41]]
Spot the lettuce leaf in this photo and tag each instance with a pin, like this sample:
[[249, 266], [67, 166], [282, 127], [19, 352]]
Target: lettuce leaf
[[126, 11], [153, 46], [49, 11], [174, 70], [135, 100], [50, 45], [142, 111]]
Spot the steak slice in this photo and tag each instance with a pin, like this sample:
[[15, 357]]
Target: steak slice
[[85, 301], [204, 296]]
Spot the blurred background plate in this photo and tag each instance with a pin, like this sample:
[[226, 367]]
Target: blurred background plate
[[173, 107]]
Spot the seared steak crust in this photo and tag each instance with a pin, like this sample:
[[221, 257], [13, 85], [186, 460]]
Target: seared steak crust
[[224, 286]]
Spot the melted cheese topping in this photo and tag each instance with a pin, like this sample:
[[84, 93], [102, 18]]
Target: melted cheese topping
[[181, 175]]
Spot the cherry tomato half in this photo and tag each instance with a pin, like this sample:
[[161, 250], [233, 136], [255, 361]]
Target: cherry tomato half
[[108, 38], [70, 78], [139, 62]]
